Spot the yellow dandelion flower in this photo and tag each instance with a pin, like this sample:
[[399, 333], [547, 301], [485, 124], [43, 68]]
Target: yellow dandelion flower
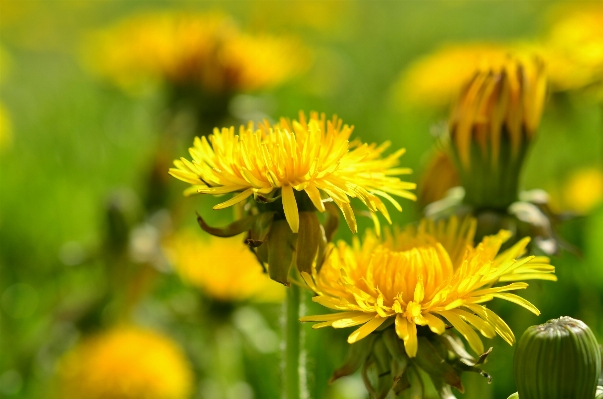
[[418, 281], [202, 50], [574, 47], [126, 363], [223, 268], [436, 79], [582, 191], [311, 155]]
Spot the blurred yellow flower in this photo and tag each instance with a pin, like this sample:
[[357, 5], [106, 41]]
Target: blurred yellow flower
[[126, 363], [574, 47], [203, 50], [224, 268], [6, 129], [581, 192], [312, 155], [436, 79], [419, 279]]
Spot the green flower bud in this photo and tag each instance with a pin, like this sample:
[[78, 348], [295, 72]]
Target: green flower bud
[[557, 360]]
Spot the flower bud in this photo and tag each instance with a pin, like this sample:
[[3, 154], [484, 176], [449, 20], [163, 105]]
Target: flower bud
[[557, 360], [491, 127]]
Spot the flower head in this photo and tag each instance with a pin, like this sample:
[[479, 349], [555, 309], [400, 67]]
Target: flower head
[[223, 268], [311, 155], [126, 363], [203, 50], [418, 278], [491, 126]]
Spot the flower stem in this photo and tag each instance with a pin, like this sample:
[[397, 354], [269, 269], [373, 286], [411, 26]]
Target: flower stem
[[293, 344]]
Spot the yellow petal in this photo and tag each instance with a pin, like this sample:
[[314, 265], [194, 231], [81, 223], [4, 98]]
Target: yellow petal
[[474, 342], [519, 301], [407, 331], [234, 200], [290, 206], [366, 329], [314, 195], [435, 324]]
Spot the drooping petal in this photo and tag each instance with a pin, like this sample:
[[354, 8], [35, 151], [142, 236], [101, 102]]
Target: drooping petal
[[366, 329], [290, 207]]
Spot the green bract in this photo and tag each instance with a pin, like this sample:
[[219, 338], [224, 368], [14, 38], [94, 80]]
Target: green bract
[[557, 360]]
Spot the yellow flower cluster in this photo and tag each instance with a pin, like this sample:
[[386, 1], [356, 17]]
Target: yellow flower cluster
[[425, 276], [223, 268], [312, 155], [203, 50], [126, 363]]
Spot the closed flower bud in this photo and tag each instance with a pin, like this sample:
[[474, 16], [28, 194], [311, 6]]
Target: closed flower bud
[[557, 360], [492, 124]]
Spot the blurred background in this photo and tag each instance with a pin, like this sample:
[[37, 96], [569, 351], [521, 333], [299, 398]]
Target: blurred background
[[101, 260]]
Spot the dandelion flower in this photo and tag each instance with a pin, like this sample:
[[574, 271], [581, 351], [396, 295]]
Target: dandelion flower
[[126, 363], [223, 268], [491, 127], [419, 279], [581, 192], [311, 155], [205, 51], [574, 48]]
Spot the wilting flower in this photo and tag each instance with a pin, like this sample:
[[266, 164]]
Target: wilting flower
[[420, 278], [574, 48], [283, 160], [223, 268], [436, 79], [491, 126], [206, 51], [126, 363]]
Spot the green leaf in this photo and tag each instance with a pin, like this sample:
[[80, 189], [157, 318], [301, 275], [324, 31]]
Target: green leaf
[[231, 230]]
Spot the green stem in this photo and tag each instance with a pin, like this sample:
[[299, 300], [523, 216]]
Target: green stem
[[293, 344]]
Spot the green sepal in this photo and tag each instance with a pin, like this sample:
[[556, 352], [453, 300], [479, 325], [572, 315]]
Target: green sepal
[[309, 238], [231, 230], [281, 245], [260, 230], [399, 362], [332, 221], [516, 396], [464, 365], [416, 389], [444, 390], [433, 364], [376, 372], [357, 354]]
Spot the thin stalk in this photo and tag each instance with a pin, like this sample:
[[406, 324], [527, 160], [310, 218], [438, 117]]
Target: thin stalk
[[293, 387]]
